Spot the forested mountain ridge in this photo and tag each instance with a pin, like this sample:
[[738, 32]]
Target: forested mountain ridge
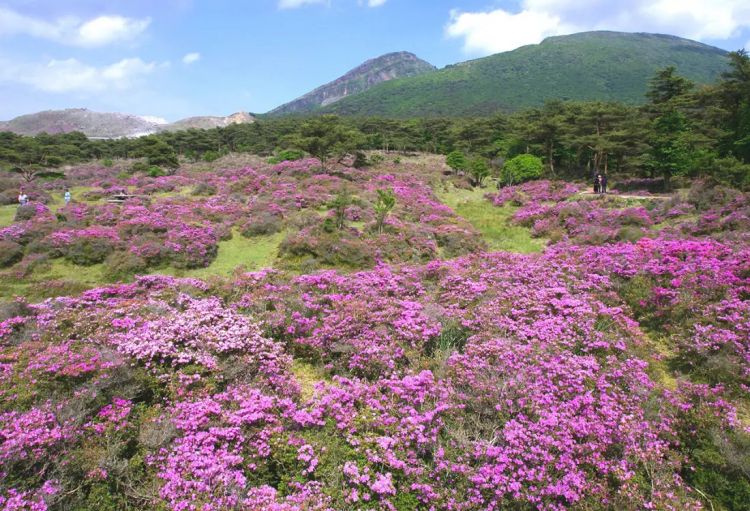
[[372, 72], [604, 66]]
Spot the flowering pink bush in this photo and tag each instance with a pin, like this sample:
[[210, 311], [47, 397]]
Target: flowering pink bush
[[195, 331], [534, 191]]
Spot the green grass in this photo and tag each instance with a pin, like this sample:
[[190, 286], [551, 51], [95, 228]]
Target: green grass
[[252, 253], [60, 277], [7, 213], [307, 375], [57, 277], [76, 192], [185, 191], [492, 222]]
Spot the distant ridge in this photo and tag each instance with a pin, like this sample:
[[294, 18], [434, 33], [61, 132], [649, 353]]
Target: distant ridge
[[110, 125], [208, 122], [372, 72], [92, 124], [606, 66]]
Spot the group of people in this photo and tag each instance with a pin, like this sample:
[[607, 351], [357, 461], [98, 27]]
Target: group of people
[[600, 183], [23, 199]]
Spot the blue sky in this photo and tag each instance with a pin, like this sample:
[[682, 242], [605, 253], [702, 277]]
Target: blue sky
[[176, 58]]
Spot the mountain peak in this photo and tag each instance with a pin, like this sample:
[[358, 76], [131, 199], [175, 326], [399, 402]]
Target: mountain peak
[[380, 69]]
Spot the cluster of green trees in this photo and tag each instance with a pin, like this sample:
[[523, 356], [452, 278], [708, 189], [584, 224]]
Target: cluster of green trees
[[682, 130]]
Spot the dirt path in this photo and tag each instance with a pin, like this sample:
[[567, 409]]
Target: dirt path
[[625, 196]]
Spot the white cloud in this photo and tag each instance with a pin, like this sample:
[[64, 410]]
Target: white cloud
[[293, 4], [71, 75], [108, 29], [500, 30], [372, 3], [191, 57], [98, 31], [496, 31]]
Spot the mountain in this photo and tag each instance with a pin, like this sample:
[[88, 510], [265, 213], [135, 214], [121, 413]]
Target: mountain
[[607, 66], [208, 122], [92, 124], [378, 70], [110, 125]]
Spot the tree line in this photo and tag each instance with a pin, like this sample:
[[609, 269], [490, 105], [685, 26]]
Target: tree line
[[682, 130]]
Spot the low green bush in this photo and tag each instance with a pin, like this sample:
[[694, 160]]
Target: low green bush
[[287, 155], [88, 251], [522, 168], [10, 253], [261, 225], [123, 265], [204, 189]]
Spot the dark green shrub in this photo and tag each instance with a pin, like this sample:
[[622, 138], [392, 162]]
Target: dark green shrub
[[479, 170], [88, 251], [107, 162], [154, 171], [139, 166], [264, 223], [210, 156], [319, 249], [731, 172], [338, 205], [287, 155], [457, 242], [705, 195], [204, 189], [15, 308], [25, 212], [329, 224], [123, 265], [630, 233], [376, 158], [406, 502], [718, 459], [10, 253], [360, 160], [8, 197], [456, 160]]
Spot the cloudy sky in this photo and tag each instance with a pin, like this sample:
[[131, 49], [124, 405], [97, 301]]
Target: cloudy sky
[[176, 58]]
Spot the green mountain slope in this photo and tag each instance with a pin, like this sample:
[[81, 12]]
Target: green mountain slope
[[608, 66]]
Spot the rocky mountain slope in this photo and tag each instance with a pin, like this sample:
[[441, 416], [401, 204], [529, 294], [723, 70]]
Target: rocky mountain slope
[[93, 124], [385, 68], [110, 125], [208, 122]]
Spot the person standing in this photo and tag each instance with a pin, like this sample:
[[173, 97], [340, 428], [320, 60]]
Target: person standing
[[23, 199], [67, 196], [596, 183], [603, 183]]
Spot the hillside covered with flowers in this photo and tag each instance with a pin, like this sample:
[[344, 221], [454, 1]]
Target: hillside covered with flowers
[[255, 336]]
